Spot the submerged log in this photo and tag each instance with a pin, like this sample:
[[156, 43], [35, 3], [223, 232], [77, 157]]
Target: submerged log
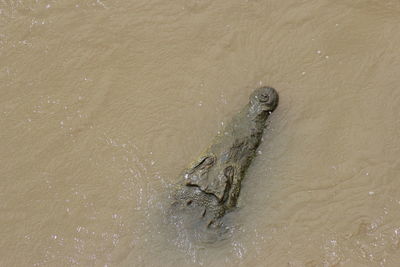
[[210, 187]]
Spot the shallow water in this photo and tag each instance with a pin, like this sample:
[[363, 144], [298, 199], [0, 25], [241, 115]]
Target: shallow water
[[104, 103]]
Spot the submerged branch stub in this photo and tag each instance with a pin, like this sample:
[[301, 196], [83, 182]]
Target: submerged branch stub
[[210, 187]]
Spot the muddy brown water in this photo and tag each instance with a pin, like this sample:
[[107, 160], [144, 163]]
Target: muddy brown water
[[103, 103]]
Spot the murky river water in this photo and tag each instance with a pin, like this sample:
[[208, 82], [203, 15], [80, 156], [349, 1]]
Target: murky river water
[[104, 103]]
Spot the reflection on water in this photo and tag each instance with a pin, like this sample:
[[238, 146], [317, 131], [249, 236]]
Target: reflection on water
[[103, 103]]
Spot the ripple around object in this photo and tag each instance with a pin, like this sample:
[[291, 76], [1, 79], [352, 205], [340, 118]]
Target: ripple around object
[[141, 69]]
